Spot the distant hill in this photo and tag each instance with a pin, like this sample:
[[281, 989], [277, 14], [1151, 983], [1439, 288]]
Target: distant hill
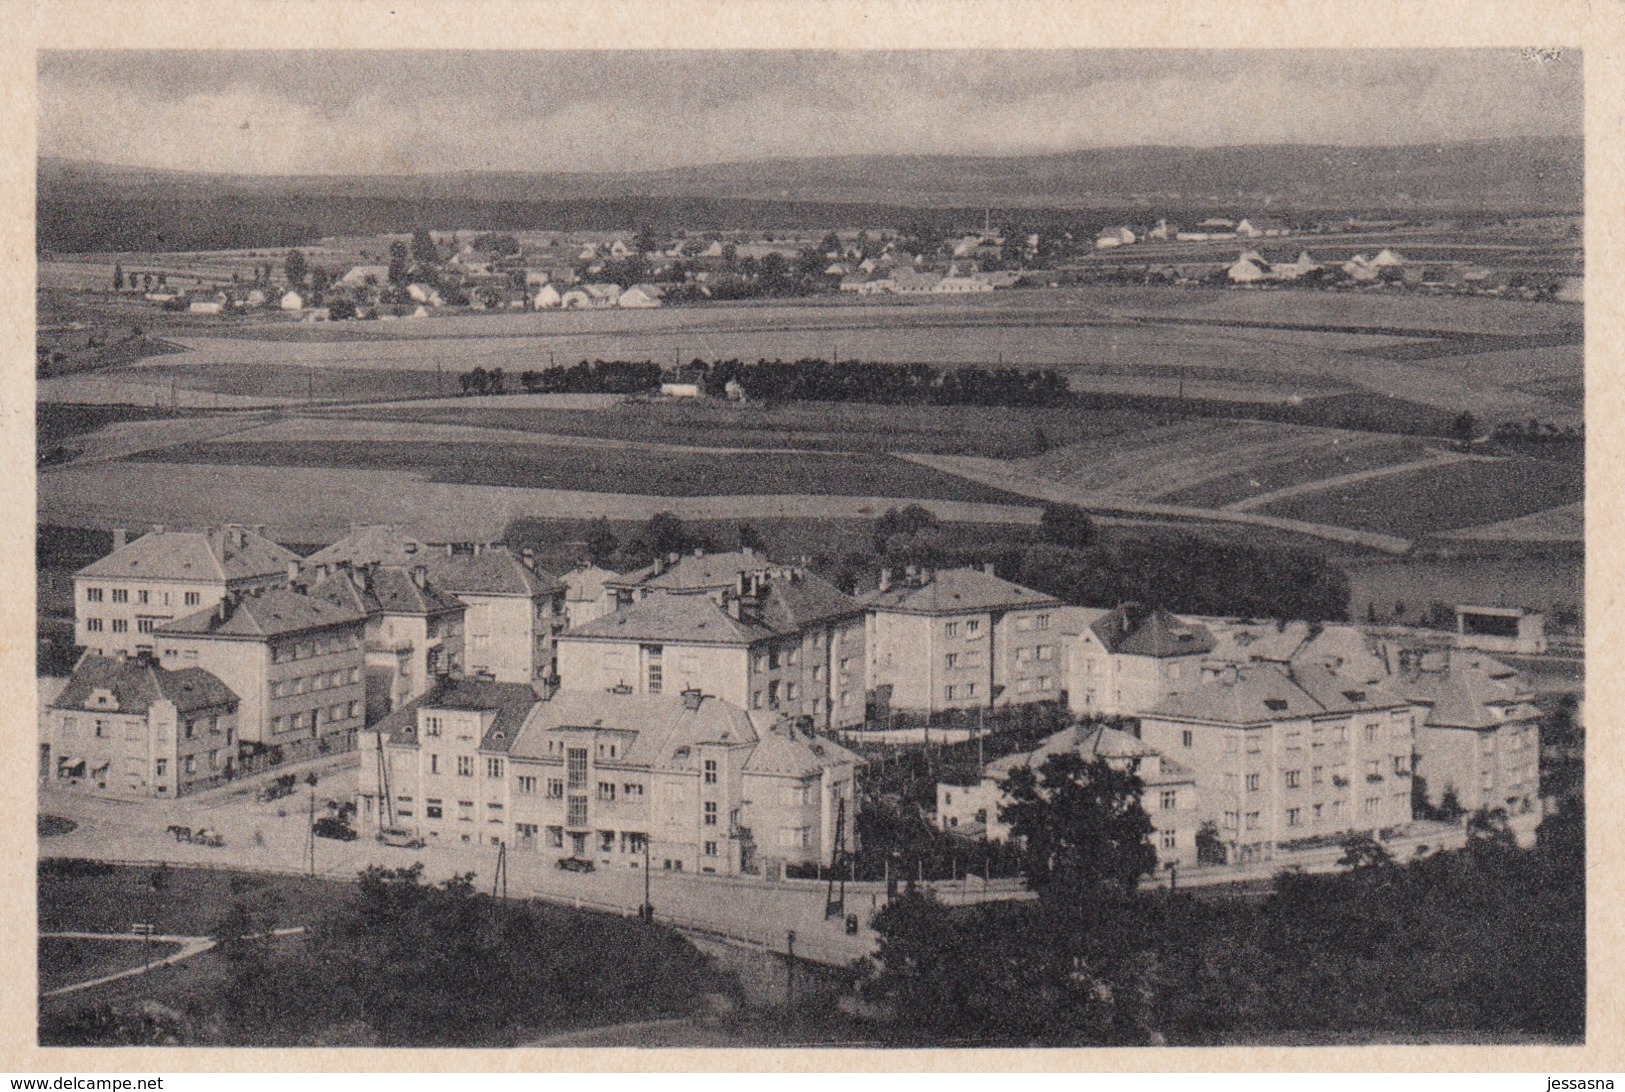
[[89, 206]]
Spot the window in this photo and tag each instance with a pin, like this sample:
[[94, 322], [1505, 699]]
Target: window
[[214, 760], [1170, 799], [633, 790], [161, 767], [191, 765], [1232, 820], [1371, 804], [973, 629], [121, 625], [433, 726], [1340, 734], [970, 690], [1292, 778], [555, 837], [710, 849], [710, 771], [527, 785], [1252, 782], [143, 597], [1252, 820], [277, 724], [951, 660], [710, 813], [951, 692], [606, 790], [1041, 621], [93, 595], [465, 765], [555, 788], [576, 767], [493, 768], [145, 625], [93, 625], [121, 595], [434, 764], [795, 837], [465, 811], [1229, 782], [576, 812], [1294, 817], [606, 841], [1170, 839], [434, 809], [335, 713], [1294, 740], [1185, 737], [190, 729], [950, 629], [403, 806], [1317, 775], [1044, 653], [193, 598], [1402, 765], [1255, 742], [756, 699], [493, 813], [656, 674], [773, 694]]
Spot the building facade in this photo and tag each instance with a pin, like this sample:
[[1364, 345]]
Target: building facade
[[1130, 658], [126, 727], [294, 661], [1283, 755], [414, 631], [122, 599], [960, 639]]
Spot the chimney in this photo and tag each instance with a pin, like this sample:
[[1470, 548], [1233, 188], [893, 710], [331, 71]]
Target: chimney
[[731, 604], [259, 529], [121, 656], [747, 551], [527, 557], [674, 557], [911, 572], [120, 538], [159, 528], [420, 575], [885, 578], [692, 700], [294, 565], [699, 551], [987, 567]]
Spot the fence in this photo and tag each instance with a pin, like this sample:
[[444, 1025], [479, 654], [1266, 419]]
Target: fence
[[271, 758]]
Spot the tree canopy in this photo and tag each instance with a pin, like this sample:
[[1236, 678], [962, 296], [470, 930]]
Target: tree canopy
[[1081, 826]]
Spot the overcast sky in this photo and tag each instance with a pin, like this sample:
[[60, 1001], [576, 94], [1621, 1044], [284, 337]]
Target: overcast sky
[[354, 112]]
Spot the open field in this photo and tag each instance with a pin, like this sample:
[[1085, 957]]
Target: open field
[[602, 469], [66, 960], [1461, 494]]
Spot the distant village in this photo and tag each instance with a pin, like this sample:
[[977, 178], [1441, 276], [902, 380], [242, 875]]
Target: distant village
[[706, 712], [417, 275]]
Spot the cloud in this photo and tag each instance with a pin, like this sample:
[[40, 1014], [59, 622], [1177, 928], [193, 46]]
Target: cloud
[[406, 113]]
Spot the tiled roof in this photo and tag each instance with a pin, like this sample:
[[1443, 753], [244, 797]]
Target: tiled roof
[[694, 572], [373, 544], [1096, 741], [1247, 694], [1132, 631], [957, 591], [137, 683], [666, 732], [790, 605], [587, 582], [1339, 693], [1466, 693], [511, 702], [271, 613], [788, 751], [232, 554], [491, 572], [691, 617], [1241, 641]]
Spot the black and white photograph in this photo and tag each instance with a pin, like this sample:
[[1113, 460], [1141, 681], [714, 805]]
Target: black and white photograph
[[779, 548]]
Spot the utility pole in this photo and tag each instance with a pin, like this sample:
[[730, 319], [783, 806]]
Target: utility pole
[[648, 911], [790, 970], [310, 827]]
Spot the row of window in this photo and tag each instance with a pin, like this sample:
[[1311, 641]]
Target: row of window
[[1293, 738], [1369, 806], [973, 629], [465, 766], [307, 721], [774, 695], [319, 646], [434, 807], [122, 625], [142, 596], [1033, 683], [322, 680]]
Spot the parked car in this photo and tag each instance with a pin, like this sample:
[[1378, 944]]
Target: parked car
[[575, 864], [395, 836], [329, 827]]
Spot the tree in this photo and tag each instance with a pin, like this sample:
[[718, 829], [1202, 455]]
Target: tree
[[750, 538], [400, 263], [666, 535], [424, 251], [320, 279], [1362, 853], [601, 541], [1082, 828], [909, 520], [295, 267], [1066, 525], [118, 277], [1464, 427]]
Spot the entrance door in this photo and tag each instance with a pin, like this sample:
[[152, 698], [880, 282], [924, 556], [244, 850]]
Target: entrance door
[[578, 845]]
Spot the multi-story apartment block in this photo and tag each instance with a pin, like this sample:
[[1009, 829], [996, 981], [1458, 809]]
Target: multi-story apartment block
[[781, 640], [127, 727], [1283, 754], [294, 661], [587, 594], [514, 610], [439, 765], [1131, 658], [414, 632], [683, 781], [515, 613], [1169, 796], [961, 639], [119, 601], [1477, 730]]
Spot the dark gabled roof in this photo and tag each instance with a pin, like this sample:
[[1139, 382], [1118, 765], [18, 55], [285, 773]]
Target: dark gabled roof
[[1467, 693], [1339, 693], [136, 683], [274, 612], [957, 591], [511, 702], [229, 554], [1132, 631], [791, 605], [663, 617], [490, 572], [1248, 694]]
